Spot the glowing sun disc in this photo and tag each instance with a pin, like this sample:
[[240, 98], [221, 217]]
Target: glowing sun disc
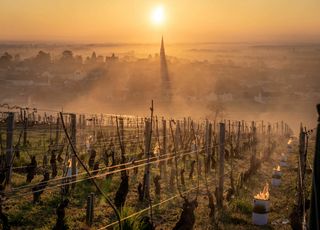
[[157, 15]]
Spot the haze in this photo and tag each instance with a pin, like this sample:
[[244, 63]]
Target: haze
[[186, 21]]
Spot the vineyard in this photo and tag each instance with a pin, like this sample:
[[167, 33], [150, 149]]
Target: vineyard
[[103, 171]]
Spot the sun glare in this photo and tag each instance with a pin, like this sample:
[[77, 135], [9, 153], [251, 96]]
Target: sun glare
[[157, 15]]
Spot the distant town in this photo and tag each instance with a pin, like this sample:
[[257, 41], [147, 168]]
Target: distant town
[[111, 79]]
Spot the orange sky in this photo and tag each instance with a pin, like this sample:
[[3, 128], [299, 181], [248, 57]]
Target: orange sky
[[186, 20]]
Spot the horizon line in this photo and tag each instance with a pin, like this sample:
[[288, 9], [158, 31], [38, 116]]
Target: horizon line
[[121, 43]]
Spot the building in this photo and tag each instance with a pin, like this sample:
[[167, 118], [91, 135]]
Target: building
[[166, 93]]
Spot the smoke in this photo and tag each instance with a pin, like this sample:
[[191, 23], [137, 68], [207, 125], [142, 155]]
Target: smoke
[[244, 83], [199, 89]]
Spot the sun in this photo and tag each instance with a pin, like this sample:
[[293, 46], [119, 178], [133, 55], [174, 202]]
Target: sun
[[157, 15]]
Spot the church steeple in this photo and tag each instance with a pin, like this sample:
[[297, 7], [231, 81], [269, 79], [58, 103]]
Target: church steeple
[[166, 89], [162, 52], [163, 63]]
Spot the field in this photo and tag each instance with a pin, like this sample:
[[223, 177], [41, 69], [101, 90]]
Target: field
[[220, 166]]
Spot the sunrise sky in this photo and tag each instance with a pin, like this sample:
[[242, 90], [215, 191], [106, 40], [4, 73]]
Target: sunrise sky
[[184, 20]]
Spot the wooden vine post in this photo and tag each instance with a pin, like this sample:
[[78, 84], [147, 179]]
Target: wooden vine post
[[269, 140], [84, 121], [221, 163], [229, 130], [254, 146], [163, 164], [9, 149], [25, 127], [208, 145], [302, 152], [33, 117], [177, 137], [1, 147], [121, 127], [314, 219], [74, 142], [285, 129], [242, 126], [231, 162], [184, 126], [301, 171], [238, 139], [146, 181], [94, 121], [90, 208], [57, 131]]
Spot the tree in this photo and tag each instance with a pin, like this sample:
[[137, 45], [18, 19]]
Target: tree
[[5, 60], [42, 58]]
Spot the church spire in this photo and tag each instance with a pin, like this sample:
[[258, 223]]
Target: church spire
[[162, 52], [166, 91], [163, 63]]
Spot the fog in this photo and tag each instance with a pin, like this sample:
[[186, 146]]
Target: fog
[[270, 82]]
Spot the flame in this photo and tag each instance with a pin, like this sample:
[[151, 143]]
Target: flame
[[277, 168], [264, 195], [289, 141]]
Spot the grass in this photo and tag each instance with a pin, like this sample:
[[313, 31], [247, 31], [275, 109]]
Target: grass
[[236, 215], [242, 205], [282, 199]]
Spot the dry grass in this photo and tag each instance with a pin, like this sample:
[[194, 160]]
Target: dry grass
[[236, 214]]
